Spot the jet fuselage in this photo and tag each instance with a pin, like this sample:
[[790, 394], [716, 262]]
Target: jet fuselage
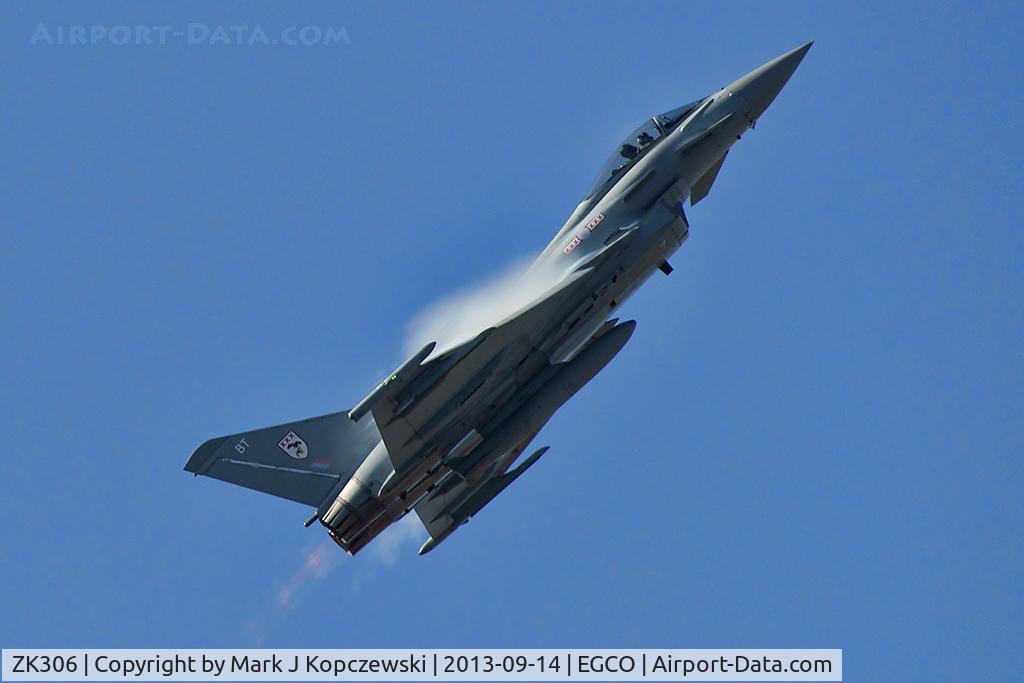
[[449, 423]]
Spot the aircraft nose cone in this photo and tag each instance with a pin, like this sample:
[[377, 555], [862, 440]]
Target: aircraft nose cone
[[759, 87]]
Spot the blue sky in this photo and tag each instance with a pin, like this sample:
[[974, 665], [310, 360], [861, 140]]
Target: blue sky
[[813, 440]]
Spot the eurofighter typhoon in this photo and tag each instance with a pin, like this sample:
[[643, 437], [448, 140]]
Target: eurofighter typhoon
[[442, 434]]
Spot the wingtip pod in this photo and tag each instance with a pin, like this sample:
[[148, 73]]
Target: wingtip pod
[[400, 375]]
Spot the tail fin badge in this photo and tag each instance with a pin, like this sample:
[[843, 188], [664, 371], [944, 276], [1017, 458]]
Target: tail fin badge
[[293, 445]]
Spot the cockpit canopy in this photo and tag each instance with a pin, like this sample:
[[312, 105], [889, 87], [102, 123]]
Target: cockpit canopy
[[638, 143]]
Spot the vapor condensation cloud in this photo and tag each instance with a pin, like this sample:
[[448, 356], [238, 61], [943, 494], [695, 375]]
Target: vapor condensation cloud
[[463, 314], [398, 539]]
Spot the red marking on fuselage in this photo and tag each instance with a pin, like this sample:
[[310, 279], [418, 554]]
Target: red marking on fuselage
[[583, 234]]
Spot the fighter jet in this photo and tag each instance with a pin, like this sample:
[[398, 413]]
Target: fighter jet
[[441, 435]]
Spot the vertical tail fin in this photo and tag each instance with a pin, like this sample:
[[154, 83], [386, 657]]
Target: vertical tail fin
[[301, 461]]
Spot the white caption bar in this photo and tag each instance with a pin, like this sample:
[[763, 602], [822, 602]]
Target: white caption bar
[[422, 665]]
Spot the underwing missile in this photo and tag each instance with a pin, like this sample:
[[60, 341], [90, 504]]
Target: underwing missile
[[568, 378], [484, 495], [492, 488], [530, 415]]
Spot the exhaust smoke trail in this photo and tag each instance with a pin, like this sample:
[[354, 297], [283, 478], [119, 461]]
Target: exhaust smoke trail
[[392, 541], [319, 561]]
